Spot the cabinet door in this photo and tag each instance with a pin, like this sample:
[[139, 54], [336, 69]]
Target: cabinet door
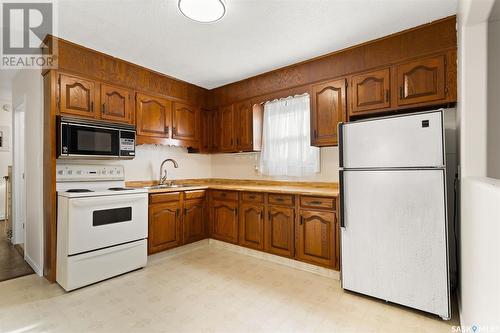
[[77, 96], [244, 135], [370, 91], [153, 116], [185, 122], [421, 81], [252, 225], [206, 131], [316, 237], [227, 132], [280, 231], [224, 224], [195, 226], [164, 227], [115, 104], [328, 109]]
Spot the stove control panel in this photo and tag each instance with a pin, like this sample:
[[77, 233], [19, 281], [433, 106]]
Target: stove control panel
[[84, 172]]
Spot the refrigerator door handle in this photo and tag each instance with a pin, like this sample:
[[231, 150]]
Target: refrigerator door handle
[[341, 199], [341, 144]]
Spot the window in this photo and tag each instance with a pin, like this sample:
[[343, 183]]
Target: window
[[286, 139]]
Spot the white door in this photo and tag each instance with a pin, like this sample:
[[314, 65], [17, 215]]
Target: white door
[[394, 244], [18, 176], [406, 141]]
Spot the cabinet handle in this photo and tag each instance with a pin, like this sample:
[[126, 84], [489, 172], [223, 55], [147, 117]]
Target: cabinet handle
[[315, 134], [177, 212], [315, 202], [251, 196], [235, 211], [269, 215], [167, 130], [223, 195], [280, 199], [92, 106], [301, 220], [103, 108], [387, 95], [401, 92]]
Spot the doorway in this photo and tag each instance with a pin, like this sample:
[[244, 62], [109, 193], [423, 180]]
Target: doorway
[[12, 231]]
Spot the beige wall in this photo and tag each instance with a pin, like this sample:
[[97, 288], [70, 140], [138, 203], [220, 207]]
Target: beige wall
[[244, 166]]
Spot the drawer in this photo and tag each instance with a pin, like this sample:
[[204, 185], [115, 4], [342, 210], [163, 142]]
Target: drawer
[[317, 202], [195, 194], [224, 195], [281, 199], [164, 197], [252, 197]]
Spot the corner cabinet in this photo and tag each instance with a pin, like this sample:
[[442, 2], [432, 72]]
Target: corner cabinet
[[328, 108], [421, 81]]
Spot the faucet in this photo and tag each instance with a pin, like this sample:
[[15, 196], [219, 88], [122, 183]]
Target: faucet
[[163, 173]]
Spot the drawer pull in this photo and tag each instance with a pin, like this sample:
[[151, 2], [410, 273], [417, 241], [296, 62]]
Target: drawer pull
[[315, 202], [251, 196], [223, 195], [280, 199]]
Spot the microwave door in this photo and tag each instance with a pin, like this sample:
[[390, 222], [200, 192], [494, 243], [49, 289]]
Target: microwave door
[[93, 141]]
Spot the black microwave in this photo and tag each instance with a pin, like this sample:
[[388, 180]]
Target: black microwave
[[94, 140]]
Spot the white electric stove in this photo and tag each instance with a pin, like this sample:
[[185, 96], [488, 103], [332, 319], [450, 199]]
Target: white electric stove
[[102, 226]]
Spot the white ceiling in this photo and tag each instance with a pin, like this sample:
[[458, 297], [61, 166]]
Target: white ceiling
[[254, 37]]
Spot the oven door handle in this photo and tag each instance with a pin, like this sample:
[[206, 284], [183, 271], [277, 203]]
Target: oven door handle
[[99, 201]]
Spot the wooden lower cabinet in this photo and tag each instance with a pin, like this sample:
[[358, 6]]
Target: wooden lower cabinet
[[252, 225], [316, 237], [224, 220], [164, 226], [194, 221], [280, 231]]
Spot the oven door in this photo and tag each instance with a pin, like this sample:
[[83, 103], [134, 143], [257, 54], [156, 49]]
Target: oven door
[[104, 221], [92, 141]]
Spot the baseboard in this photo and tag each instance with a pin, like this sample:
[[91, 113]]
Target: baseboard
[[325, 272], [38, 270]]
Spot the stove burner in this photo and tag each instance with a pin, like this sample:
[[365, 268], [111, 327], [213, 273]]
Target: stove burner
[[78, 190], [120, 189]]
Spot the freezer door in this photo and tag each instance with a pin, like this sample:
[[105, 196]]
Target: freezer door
[[394, 239], [414, 140]]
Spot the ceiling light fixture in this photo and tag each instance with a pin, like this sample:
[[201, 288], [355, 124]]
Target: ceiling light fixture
[[203, 11]]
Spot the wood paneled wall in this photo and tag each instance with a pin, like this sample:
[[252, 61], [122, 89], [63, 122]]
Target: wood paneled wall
[[423, 40]]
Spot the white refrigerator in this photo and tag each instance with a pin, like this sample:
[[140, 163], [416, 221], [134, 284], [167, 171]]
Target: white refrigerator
[[393, 214]]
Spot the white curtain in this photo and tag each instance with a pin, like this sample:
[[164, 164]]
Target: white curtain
[[286, 139]]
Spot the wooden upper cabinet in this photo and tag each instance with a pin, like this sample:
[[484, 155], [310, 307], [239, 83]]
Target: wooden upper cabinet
[[370, 92], [316, 237], [421, 81], [227, 120], [244, 135], [207, 123], [164, 227], [185, 122], [224, 221], [153, 116], [77, 96], [252, 225], [328, 108], [115, 104], [280, 231], [194, 220]]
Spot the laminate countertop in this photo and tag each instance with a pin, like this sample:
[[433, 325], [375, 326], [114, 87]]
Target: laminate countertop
[[309, 188]]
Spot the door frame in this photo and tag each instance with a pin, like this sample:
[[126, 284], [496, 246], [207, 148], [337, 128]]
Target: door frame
[[18, 173]]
